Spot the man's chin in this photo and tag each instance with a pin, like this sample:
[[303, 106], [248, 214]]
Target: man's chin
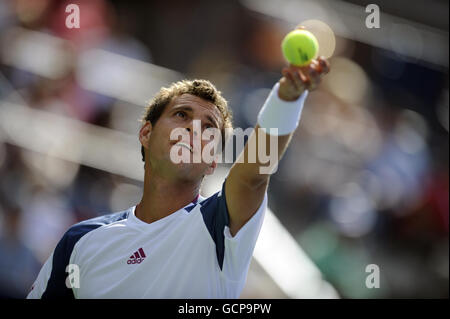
[[185, 165], [187, 172], [190, 166]]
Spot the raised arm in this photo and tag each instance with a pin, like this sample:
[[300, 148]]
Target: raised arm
[[246, 185]]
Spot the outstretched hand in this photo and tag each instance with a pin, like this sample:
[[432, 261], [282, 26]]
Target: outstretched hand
[[296, 79]]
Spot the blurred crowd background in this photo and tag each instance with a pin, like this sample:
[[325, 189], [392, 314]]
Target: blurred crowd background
[[365, 180]]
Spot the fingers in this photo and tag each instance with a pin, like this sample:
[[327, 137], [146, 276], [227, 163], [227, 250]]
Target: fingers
[[306, 77], [287, 74], [301, 80], [316, 70], [298, 78], [314, 76], [288, 90], [324, 65]]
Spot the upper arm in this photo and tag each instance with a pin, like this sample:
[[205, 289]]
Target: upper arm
[[243, 199], [51, 281], [246, 185]]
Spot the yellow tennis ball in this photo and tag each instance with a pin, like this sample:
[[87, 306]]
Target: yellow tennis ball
[[299, 47]]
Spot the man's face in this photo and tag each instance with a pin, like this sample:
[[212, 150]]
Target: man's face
[[179, 116]]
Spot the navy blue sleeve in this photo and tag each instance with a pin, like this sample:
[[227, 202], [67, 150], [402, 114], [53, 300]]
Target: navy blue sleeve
[[56, 285], [215, 215]]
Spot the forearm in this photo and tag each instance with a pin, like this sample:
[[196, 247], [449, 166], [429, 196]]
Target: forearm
[[249, 164], [277, 122]]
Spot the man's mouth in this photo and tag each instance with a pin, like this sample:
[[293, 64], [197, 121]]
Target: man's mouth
[[182, 144]]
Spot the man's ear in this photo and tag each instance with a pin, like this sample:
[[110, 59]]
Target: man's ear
[[144, 134]]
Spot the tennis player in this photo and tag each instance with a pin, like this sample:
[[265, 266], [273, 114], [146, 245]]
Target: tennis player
[[175, 243]]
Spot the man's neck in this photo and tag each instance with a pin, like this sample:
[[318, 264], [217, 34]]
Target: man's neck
[[163, 197]]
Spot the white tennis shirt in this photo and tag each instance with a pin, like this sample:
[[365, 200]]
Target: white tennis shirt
[[188, 254]]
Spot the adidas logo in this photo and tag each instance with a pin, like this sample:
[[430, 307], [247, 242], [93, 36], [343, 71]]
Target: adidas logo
[[137, 257]]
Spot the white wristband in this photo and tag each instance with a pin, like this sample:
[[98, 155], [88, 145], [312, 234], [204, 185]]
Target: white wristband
[[280, 114]]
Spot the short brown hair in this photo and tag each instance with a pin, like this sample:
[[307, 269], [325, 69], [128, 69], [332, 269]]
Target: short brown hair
[[200, 88]]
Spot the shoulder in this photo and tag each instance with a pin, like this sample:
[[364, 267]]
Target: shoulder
[[215, 216], [56, 286], [214, 209], [75, 232]]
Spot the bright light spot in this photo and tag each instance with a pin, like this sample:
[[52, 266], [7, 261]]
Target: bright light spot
[[121, 77], [324, 34], [52, 170], [36, 52], [410, 132], [353, 210], [346, 80], [373, 185], [393, 187], [358, 131], [347, 124], [124, 117], [323, 117]]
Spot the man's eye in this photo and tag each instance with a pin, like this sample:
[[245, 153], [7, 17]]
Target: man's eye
[[180, 114]]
